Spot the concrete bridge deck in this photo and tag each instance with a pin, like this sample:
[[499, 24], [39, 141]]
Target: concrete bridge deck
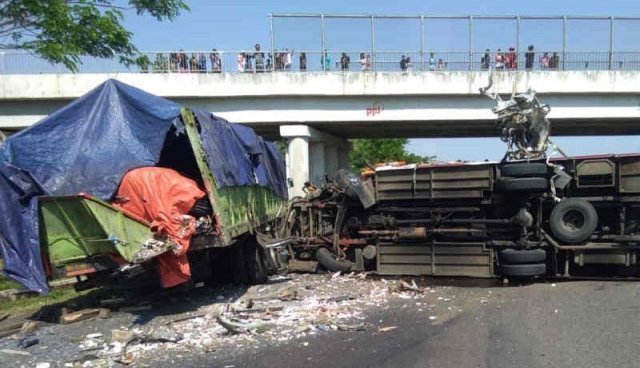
[[355, 104]]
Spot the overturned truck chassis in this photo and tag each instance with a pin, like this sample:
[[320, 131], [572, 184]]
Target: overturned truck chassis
[[485, 220], [524, 216]]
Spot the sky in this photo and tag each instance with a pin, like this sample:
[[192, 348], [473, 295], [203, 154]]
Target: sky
[[238, 25]]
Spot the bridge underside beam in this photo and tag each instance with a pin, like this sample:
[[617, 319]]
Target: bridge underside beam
[[453, 129]]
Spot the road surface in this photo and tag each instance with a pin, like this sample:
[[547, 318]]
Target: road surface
[[570, 324]]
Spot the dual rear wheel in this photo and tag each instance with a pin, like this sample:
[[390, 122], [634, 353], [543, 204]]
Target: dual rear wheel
[[522, 262]]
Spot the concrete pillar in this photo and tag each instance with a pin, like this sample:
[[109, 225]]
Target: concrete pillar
[[317, 163], [297, 165], [310, 155], [343, 157], [331, 160]]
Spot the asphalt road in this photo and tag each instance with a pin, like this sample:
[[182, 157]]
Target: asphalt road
[[572, 324]]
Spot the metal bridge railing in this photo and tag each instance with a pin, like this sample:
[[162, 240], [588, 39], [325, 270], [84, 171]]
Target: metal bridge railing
[[239, 61]]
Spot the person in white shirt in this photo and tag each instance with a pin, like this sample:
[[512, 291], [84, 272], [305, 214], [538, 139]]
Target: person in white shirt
[[288, 59], [241, 61]]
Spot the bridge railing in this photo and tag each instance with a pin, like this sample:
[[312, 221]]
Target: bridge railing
[[239, 61]]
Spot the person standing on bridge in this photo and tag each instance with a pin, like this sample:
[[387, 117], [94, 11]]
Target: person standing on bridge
[[499, 60], [183, 63], [485, 61], [303, 62], [511, 61], [326, 61], [241, 60], [193, 63], [288, 59], [555, 61], [202, 61], [216, 62], [365, 62], [528, 56], [344, 61], [432, 61], [258, 58], [544, 61]]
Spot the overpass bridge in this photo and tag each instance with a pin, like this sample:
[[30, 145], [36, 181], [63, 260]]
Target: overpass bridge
[[315, 112]]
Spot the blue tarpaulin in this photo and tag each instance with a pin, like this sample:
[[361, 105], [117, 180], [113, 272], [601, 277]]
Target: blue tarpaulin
[[88, 146], [241, 156]]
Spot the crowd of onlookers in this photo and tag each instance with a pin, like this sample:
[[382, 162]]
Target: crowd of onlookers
[[509, 60], [259, 61]]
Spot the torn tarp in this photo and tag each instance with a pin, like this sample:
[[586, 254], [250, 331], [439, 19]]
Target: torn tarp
[[240, 157]]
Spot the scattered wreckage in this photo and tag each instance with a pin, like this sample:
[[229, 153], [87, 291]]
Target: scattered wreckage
[[121, 183], [527, 215]]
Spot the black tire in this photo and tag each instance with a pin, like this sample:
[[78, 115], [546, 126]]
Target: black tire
[[523, 270], [573, 220], [522, 256], [257, 272], [524, 184], [523, 169], [325, 258]]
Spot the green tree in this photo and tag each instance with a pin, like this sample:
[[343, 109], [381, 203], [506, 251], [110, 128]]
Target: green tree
[[61, 31], [371, 151]]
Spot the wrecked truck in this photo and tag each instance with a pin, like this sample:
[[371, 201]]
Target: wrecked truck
[[121, 183], [527, 215]]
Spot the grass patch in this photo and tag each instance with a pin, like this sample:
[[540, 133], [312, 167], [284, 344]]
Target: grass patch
[[27, 303], [5, 283], [35, 301]]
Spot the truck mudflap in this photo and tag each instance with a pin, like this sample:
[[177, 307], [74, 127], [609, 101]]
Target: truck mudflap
[[435, 258]]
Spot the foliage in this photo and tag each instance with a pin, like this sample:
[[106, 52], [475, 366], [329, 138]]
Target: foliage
[[62, 31], [372, 151], [160, 64]]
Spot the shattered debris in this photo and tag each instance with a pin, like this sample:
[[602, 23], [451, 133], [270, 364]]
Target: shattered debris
[[285, 309], [83, 315], [387, 329]]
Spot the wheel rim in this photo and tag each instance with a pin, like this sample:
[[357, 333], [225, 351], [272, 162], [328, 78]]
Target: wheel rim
[[573, 220]]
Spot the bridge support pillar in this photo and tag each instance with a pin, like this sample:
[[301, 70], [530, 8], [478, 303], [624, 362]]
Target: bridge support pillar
[[310, 155]]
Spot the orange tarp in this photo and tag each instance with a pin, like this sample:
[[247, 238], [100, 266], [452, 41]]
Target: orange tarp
[[163, 198]]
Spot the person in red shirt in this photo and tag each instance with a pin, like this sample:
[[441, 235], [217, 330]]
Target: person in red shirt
[[512, 58]]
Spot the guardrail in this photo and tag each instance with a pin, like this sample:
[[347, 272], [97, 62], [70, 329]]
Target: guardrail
[[239, 61]]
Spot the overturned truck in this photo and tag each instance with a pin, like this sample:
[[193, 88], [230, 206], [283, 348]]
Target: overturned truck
[[527, 215], [121, 183]]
